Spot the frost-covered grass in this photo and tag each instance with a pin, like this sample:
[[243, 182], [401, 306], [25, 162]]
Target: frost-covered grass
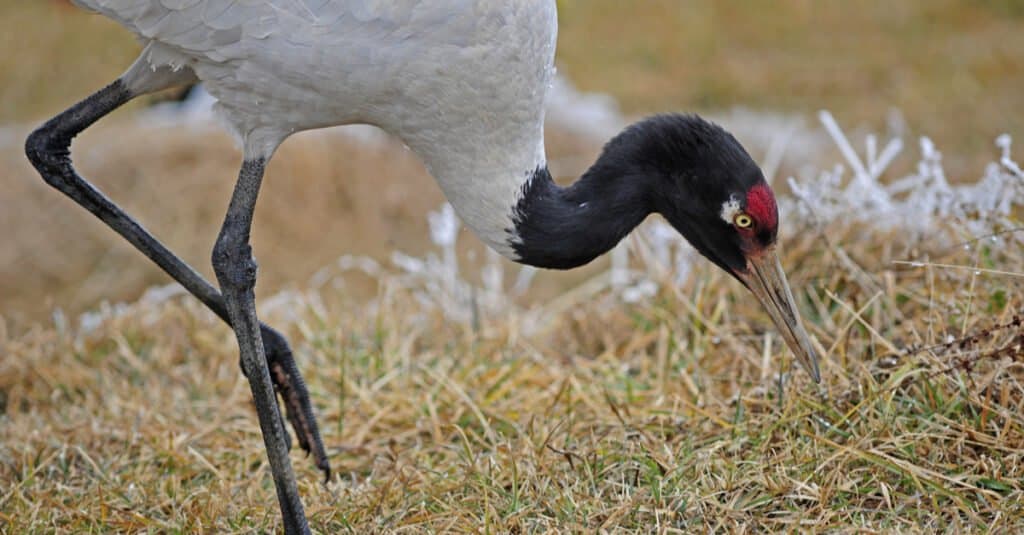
[[652, 396]]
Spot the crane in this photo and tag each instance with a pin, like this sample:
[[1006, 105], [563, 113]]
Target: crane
[[462, 83]]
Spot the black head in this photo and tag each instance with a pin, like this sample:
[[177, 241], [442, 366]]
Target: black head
[[706, 185], [693, 173]]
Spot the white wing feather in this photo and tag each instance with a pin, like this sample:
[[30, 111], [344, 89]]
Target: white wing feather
[[461, 82]]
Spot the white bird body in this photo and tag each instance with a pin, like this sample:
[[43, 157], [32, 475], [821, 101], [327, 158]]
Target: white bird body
[[461, 82]]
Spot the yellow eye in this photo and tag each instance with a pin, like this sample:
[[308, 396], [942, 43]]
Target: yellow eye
[[743, 220]]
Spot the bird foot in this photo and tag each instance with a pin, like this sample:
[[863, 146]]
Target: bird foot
[[289, 385]]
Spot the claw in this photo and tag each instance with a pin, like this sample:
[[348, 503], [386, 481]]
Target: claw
[[291, 388]]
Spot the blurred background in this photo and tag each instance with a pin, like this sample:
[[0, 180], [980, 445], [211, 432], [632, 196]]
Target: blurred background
[[949, 69]]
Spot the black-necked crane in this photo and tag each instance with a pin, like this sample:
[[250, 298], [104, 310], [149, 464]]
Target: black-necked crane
[[460, 82]]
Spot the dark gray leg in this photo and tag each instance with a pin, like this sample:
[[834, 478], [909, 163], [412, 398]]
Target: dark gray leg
[[48, 150], [236, 273]]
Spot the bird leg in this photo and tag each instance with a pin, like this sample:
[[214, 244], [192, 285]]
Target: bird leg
[[48, 150], [236, 273]]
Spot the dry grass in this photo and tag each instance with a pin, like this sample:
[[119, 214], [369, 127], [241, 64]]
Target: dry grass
[[662, 416]]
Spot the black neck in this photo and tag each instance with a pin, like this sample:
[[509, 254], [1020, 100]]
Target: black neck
[[680, 166], [562, 228]]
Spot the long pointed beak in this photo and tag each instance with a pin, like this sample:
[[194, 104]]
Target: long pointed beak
[[765, 277]]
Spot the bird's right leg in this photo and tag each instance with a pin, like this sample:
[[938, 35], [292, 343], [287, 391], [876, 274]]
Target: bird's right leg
[[236, 272], [48, 148]]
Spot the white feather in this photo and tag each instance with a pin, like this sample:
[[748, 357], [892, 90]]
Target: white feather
[[729, 209], [461, 82]]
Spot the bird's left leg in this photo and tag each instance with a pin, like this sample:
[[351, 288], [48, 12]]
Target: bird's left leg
[[48, 148], [236, 273]]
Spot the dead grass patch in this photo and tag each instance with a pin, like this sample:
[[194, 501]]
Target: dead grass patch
[[658, 416]]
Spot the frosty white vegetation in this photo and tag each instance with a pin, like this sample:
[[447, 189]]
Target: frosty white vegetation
[[917, 202]]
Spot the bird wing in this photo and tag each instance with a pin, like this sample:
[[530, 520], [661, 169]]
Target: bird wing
[[220, 30]]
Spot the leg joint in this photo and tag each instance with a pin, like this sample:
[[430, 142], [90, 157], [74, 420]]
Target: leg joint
[[234, 264], [48, 147], [48, 152]]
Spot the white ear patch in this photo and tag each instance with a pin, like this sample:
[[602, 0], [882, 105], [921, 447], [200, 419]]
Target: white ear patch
[[729, 209]]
